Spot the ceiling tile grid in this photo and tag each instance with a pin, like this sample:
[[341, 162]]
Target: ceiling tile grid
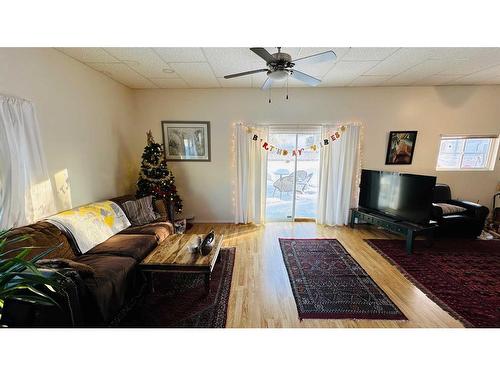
[[165, 67]]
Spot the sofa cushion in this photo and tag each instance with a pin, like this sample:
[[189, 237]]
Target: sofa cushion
[[135, 246], [43, 236], [160, 230], [107, 290]]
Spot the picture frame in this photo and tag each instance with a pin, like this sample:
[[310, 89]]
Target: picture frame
[[186, 140], [401, 147]]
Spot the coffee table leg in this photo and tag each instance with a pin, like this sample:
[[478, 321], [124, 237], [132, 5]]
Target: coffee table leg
[[208, 277]]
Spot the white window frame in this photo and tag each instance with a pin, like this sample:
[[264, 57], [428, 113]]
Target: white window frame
[[491, 157]]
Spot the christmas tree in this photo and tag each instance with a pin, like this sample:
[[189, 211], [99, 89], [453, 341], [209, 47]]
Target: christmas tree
[[155, 179]]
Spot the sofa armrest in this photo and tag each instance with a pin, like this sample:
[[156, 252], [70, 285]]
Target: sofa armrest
[[436, 212], [473, 209]]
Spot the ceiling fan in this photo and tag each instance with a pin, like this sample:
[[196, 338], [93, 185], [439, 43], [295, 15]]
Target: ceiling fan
[[280, 66]]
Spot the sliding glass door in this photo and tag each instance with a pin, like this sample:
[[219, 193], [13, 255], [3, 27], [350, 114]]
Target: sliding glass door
[[280, 181], [292, 179]]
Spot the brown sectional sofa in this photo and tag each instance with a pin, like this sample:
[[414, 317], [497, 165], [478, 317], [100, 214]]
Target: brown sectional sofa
[[115, 279]]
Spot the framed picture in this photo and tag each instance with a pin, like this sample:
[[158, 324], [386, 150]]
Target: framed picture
[[401, 147], [186, 140]]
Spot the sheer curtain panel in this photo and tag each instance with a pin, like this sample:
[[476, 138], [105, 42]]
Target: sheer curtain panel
[[251, 169], [25, 188], [339, 170]]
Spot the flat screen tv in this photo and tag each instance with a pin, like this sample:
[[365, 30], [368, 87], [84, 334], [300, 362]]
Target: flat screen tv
[[403, 196]]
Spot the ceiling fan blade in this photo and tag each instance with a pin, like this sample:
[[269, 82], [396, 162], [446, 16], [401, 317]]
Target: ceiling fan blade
[[267, 84], [317, 58], [262, 52], [310, 80], [245, 73]]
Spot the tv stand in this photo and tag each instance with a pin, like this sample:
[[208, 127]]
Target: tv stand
[[405, 228]]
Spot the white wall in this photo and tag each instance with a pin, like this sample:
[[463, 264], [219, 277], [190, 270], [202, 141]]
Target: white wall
[[207, 187], [84, 117]]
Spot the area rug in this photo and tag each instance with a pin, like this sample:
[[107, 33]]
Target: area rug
[[328, 283], [180, 300], [461, 276]]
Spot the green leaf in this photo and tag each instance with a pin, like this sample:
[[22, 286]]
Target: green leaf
[[21, 277], [34, 299]]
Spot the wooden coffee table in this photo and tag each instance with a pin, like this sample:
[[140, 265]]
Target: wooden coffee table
[[172, 255]]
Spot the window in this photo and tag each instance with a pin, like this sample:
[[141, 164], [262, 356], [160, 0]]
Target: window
[[467, 152]]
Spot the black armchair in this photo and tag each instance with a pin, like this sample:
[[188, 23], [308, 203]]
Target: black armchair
[[464, 224]]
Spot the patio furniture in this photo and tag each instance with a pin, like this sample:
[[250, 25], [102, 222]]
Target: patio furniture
[[284, 185], [301, 175], [303, 184], [281, 172]]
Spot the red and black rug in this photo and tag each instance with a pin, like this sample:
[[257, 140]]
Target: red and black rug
[[461, 276], [328, 283], [180, 301]]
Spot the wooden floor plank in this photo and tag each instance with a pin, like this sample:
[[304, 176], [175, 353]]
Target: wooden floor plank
[[261, 295]]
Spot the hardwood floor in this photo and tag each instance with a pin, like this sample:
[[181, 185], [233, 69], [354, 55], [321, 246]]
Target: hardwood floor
[[261, 295]]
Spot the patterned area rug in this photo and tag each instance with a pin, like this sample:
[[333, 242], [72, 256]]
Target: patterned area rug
[[328, 283], [179, 300], [461, 276]]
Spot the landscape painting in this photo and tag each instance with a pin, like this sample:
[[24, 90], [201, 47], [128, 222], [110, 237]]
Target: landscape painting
[[186, 140]]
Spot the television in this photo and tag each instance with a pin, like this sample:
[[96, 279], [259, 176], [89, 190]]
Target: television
[[403, 196]]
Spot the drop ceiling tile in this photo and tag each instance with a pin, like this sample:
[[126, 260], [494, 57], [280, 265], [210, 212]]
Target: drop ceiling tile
[[478, 61], [475, 80], [196, 74], [187, 54], [123, 74], [226, 61], [401, 60], [369, 80], [437, 79], [143, 60], [368, 53], [236, 82], [170, 83], [483, 76], [406, 66], [419, 71], [96, 55], [344, 72]]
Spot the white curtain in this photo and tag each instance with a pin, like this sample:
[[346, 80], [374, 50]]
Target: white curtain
[[25, 188], [251, 172], [339, 168]]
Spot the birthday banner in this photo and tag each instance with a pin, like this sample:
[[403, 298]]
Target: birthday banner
[[298, 152]]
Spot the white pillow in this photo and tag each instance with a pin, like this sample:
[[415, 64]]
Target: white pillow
[[450, 209]]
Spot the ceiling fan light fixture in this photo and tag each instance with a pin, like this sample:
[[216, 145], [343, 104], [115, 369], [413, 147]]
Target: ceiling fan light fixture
[[278, 75]]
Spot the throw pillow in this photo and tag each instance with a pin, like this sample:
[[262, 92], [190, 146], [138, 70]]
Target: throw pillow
[[140, 211], [449, 209]]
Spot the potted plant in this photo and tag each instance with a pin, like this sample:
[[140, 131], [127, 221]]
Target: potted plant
[[20, 279]]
